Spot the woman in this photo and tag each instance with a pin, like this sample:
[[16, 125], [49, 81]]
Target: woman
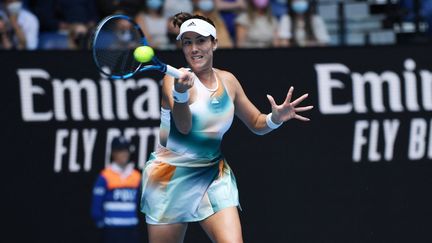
[[155, 25], [229, 10], [187, 179], [207, 9], [257, 27], [301, 27]]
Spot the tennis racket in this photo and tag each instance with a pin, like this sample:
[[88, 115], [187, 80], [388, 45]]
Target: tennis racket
[[113, 43]]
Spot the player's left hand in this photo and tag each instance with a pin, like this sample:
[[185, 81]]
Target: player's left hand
[[288, 110]]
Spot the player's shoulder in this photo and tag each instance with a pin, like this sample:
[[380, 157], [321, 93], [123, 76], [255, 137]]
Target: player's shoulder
[[226, 76]]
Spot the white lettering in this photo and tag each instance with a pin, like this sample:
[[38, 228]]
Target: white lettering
[[391, 128], [325, 86], [410, 86], [376, 86], [359, 139], [151, 96], [60, 149], [374, 92], [107, 103], [73, 150], [122, 86], [28, 90], [89, 140], [373, 154], [75, 89], [417, 143], [390, 131], [426, 90]]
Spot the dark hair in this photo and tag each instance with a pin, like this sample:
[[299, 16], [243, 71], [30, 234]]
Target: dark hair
[[182, 17], [252, 14], [310, 35]]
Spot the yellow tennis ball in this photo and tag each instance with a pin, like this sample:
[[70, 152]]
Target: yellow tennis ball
[[143, 54]]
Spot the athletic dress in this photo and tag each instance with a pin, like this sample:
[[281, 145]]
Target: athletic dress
[[187, 178]]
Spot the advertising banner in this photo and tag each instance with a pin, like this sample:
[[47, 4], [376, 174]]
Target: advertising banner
[[359, 171]]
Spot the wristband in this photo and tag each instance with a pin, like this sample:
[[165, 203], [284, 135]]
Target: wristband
[[180, 97], [270, 123]]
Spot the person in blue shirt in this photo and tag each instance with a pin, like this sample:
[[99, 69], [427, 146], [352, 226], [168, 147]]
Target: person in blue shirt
[[115, 197], [424, 12]]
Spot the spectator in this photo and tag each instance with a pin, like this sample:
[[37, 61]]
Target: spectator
[[115, 197], [279, 7], [422, 10], [170, 8], [427, 13], [79, 35], [5, 40], [60, 19], [20, 26], [155, 25], [229, 10], [257, 27], [207, 9], [128, 7], [301, 27]]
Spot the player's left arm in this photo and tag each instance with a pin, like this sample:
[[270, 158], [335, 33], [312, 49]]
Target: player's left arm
[[254, 119]]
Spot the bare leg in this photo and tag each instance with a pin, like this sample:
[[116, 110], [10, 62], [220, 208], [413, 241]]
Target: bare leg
[[169, 233], [224, 226]]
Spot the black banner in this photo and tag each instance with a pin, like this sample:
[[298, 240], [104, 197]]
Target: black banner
[[360, 171]]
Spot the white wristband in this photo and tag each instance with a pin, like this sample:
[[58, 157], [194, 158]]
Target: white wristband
[[180, 97], [270, 123]]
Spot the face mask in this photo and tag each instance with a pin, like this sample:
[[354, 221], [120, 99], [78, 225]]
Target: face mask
[[206, 5], [154, 4], [300, 7], [14, 8], [124, 36], [261, 3]]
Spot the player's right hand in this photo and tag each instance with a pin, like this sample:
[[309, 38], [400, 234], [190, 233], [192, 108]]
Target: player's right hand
[[185, 82]]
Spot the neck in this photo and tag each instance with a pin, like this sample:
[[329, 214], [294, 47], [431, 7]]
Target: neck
[[207, 77], [262, 11], [153, 13], [122, 166]]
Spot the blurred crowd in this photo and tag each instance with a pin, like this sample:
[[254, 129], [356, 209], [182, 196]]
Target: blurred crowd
[[68, 24]]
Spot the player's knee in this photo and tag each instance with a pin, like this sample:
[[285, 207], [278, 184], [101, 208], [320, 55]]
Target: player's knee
[[231, 236], [229, 239]]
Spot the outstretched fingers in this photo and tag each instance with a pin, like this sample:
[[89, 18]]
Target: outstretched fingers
[[289, 95], [301, 118], [299, 100], [271, 100], [305, 108]]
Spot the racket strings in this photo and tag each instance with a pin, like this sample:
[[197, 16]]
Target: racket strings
[[114, 45]]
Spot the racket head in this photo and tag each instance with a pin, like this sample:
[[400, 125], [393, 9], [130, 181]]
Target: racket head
[[114, 40]]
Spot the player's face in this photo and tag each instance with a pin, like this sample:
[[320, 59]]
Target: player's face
[[198, 51], [121, 157]]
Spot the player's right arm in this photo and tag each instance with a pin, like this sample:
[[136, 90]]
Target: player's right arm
[[180, 111]]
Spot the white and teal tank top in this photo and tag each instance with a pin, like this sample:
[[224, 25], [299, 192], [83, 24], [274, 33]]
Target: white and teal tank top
[[212, 116]]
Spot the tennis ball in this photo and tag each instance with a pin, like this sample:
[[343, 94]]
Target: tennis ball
[[143, 54]]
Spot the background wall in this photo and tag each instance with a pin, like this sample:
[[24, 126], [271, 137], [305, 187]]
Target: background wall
[[360, 171]]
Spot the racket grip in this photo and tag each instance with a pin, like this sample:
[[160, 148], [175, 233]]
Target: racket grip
[[174, 72]]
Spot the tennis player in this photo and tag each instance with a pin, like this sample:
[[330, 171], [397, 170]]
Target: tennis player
[[188, 179]]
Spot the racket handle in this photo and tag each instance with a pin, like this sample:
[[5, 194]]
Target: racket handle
[[174, 72]]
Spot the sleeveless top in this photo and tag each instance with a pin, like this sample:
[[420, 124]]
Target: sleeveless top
[[187, 179], [212, 115]]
